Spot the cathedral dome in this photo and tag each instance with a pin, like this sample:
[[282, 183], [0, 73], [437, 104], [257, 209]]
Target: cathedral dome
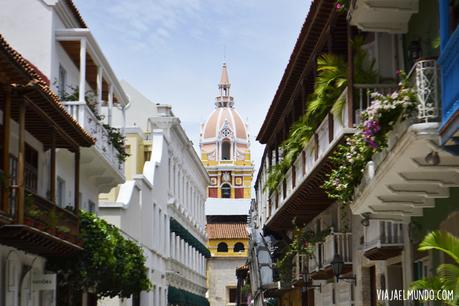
[[224, 128], [224, 122]]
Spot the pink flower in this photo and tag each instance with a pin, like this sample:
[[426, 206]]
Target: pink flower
[[338, 6], [397, 72]]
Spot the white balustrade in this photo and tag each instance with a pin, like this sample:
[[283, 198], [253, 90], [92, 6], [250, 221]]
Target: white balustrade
[[383, 234], [86, 118], [338, 243]]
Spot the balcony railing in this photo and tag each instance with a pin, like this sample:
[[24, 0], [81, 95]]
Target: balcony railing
[[335, 243], [326, 137], [383, 239], [338, 243], [300, 264], [83, 114], [45, 216]]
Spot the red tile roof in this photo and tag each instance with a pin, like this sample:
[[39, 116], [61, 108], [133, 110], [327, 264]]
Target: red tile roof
[[32, 73], [227, 231], [76, 13]]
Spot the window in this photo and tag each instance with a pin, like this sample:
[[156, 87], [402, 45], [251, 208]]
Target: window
[[62, 81], [232, 295], [238, 247], [226, 191], [222, 247], [31, 169], [226, 149], [60, 196]]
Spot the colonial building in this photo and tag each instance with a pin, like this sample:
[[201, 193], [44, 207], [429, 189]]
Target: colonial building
[[161, 205], [55, 173], [225, 153], [351, 249], [33, 226], [57, 41]]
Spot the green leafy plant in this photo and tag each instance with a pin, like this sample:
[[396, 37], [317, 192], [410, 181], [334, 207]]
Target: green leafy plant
[[447, 277], [328, 87], [349, 160], [30, 209], [117, 140], [109, 265], [72, 94], [63, 229], [52, 218], [342, 6], [303, 243]]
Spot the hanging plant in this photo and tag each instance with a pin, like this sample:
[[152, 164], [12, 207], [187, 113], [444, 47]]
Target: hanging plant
[[117, 140], [328, 87], [343, 6], [349, 160]]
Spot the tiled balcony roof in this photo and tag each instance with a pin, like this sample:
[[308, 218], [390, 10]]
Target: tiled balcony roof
[[227, 231]]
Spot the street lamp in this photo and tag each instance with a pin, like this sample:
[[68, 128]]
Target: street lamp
[[337, 267]]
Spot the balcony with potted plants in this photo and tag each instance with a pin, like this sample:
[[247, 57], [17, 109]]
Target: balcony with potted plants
[[91, 101], [404, 166], [295, 182]]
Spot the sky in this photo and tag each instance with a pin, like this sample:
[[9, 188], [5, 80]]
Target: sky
[[172, 51]]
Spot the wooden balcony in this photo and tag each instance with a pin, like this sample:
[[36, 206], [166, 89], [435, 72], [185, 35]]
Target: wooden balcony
[[383, 240], [300, 193], [335, 243], [46, 229]]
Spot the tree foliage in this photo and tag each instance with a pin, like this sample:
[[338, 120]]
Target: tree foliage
[[447, 277], [110, 265]]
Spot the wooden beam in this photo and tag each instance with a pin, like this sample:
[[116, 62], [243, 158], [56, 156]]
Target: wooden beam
[[21, 164], [77, 182], [6, 148], [51, 122], [52, 176]]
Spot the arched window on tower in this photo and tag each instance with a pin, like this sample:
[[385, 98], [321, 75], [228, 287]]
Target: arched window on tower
[[222, 247], [238, 247], [226, 149], [226, 191]]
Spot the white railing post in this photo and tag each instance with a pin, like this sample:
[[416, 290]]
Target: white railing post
[[110, 104], [82, 88], [427, 89], [100, 72]]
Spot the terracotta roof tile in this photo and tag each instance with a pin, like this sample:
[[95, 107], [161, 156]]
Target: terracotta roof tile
[[42, 84], [227, 231], [76, 13]]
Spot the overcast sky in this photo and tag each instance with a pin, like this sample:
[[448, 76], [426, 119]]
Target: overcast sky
[[172, 51]]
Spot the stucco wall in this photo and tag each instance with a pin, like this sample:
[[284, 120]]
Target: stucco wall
[[221, 274]]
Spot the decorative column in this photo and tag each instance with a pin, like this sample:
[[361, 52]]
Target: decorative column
[[110, 104], [21, 164], [52, 174], [100, 72], [77, 181], [82, 86], [350, 79]]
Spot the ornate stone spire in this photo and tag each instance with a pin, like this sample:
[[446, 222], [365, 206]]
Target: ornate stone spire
[[224, 100]]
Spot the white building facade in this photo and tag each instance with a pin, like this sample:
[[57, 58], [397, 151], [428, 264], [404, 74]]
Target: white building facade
[[161, 205], [54, 40]]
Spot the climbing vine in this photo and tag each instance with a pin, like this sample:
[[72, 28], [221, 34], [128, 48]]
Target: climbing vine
[[349, 160]]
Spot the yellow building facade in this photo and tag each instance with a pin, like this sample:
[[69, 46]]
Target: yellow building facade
[[225, 153]]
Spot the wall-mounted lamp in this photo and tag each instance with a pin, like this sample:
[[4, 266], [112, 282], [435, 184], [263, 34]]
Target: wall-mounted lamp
[[365, 219], [415, 50], [337, 266]]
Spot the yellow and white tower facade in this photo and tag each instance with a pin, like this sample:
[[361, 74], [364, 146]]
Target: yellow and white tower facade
[[225, 147]]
